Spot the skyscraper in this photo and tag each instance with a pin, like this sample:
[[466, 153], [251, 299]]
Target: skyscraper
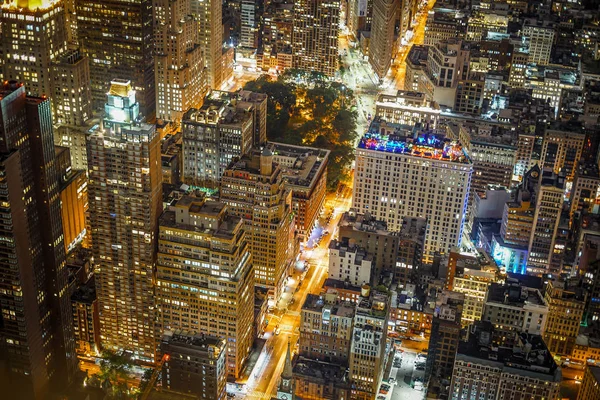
[[210, 34], [254, 189], [179, 66], [548, 208], [71, 94], [125, 201], [385, 13], [205, 279], [116, 36], [33, 37], [36, 331], [400, 174], [315, 35]]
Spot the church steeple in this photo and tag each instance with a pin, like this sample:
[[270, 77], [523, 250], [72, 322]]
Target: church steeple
[[286, 385]]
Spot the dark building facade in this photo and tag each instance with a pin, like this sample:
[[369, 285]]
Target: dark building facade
[[36, 334], [194, 364]]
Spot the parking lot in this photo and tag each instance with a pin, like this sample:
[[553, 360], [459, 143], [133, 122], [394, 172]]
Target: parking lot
[[405, 375]]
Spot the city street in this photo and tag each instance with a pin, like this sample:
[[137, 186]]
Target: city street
[[262, 382]]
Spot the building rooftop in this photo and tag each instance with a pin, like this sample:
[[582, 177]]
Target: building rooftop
[[527, 356], [326, 372], [413, 228], [218, 222], [344, 247], [426, 145], [364, 222], [300, 165], [85, 293], [334, 284], [514, 294], [417, 55], [375, 305], [566, 76], [317, 303], [193, 341]]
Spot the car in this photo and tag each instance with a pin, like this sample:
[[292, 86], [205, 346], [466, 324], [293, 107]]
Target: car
[[380, 397], [420, 368]]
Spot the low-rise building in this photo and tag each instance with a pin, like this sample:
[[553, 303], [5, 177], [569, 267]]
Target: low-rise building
[[326, 325], [194, 364], [407, 108], [348, 262], [522, 368], [314, 379], [513, 308]]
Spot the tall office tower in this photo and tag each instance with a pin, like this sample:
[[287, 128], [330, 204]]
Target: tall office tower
[[510, 248], [210, 34], [212, 137], [562, 147], [566, 303], [125, 202], [521, 368], [275, 46], [548, 209], [203, 239], [585, 192], [72, 105], [305, 172], [254, 189], [250, 15], [195, 364], [326, 328], [71, 22], [33, 37], [441, 76], [516, 77], [539, 36], [71, 92], [36, 331], [525, 144], [383, 29], [116, 36], [493, 164], [445, 335], [179, 66], [367, 349], [421, 176], [315, 35]]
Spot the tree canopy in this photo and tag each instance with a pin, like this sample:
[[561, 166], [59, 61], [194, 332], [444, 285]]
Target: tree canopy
[[306, 108]]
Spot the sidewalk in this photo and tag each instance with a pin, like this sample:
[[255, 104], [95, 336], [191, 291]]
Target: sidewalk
[[257, 348]]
